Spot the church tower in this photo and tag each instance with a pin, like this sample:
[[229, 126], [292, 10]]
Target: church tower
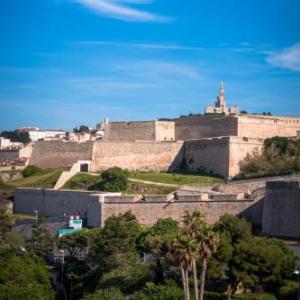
[[221, 98], [220, 105]]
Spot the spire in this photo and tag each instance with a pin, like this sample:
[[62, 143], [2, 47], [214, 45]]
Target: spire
[[221, 97]]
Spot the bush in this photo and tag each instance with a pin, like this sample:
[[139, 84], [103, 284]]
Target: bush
[[105, 294], [31, 170], [114, 180], [289, 290], [166, 291]]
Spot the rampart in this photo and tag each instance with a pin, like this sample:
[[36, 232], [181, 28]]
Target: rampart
[[281, 213], [98, 207], [50, 154], [258, 126], [219, 155], [141, 155], [140, 131], [198, 127]]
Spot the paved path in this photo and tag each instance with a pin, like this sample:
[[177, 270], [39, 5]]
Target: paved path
[[154, 182]]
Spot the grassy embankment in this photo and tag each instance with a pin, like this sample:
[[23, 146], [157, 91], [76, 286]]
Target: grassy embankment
[[91, 182], [45, 179], [177, 178]]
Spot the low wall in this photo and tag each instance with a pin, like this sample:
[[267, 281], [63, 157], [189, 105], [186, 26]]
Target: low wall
[[98, 207], [147, 212], [281, 212], [51, 154], [51, 203]]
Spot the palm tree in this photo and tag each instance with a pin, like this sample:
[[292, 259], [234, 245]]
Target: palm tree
[[192, 225], [207, 240], [183, 249], [208, 245]]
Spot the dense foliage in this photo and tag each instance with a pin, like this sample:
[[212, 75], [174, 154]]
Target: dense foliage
[[16, 136], [280, 155], [125, 260], [22, 275], [114, 180]]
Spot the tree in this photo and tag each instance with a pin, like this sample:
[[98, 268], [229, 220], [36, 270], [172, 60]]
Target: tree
[[16, 136], [206, 244], [24, 277], [116, 244], [114, 180], [183, 249], [5, 226], [82, 129], [41, 242]]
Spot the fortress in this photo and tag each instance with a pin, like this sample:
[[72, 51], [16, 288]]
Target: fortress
[[215, 142]]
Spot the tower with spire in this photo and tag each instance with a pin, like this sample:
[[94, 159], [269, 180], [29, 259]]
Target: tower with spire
[[220, 105]]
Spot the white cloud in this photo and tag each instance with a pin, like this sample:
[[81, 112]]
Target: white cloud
[[120, 9], [162, 46], [288, 58], [158, 69]]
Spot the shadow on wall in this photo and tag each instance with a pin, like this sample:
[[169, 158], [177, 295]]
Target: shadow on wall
[[178, 163], [254, 213]]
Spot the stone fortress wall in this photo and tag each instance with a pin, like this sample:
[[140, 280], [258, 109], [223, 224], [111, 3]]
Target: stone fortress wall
[[281, 216], [97, 207], [51, 154], [140, 155], [140, 131], [198, 127], [267, 126]]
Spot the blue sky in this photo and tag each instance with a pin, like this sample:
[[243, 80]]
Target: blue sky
[[70, 62]]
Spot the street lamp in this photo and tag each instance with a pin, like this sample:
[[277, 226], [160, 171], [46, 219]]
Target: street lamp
[[36, 217], [62, 263]]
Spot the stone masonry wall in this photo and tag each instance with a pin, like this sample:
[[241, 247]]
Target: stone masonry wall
[[140, 131], [198, 127], [209, 155], [147, 213], [239, 148], [267, 126], [50, 154], [281, 212], [147, 156], [52, 203], [164, 131], [219, 155], [130, 131]]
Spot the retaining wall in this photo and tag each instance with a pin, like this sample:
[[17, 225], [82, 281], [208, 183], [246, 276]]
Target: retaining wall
[[98, 207]]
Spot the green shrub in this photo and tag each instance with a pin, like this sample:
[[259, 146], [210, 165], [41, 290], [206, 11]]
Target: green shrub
[[31, 170], [105, 294], [114, 180], [167, 291], [289, 290]]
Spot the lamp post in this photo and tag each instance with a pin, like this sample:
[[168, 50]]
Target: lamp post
[[36, 217], [62, 264]]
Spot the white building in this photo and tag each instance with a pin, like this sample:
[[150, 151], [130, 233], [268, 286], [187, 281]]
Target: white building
[[39, 134], [8, 144]]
